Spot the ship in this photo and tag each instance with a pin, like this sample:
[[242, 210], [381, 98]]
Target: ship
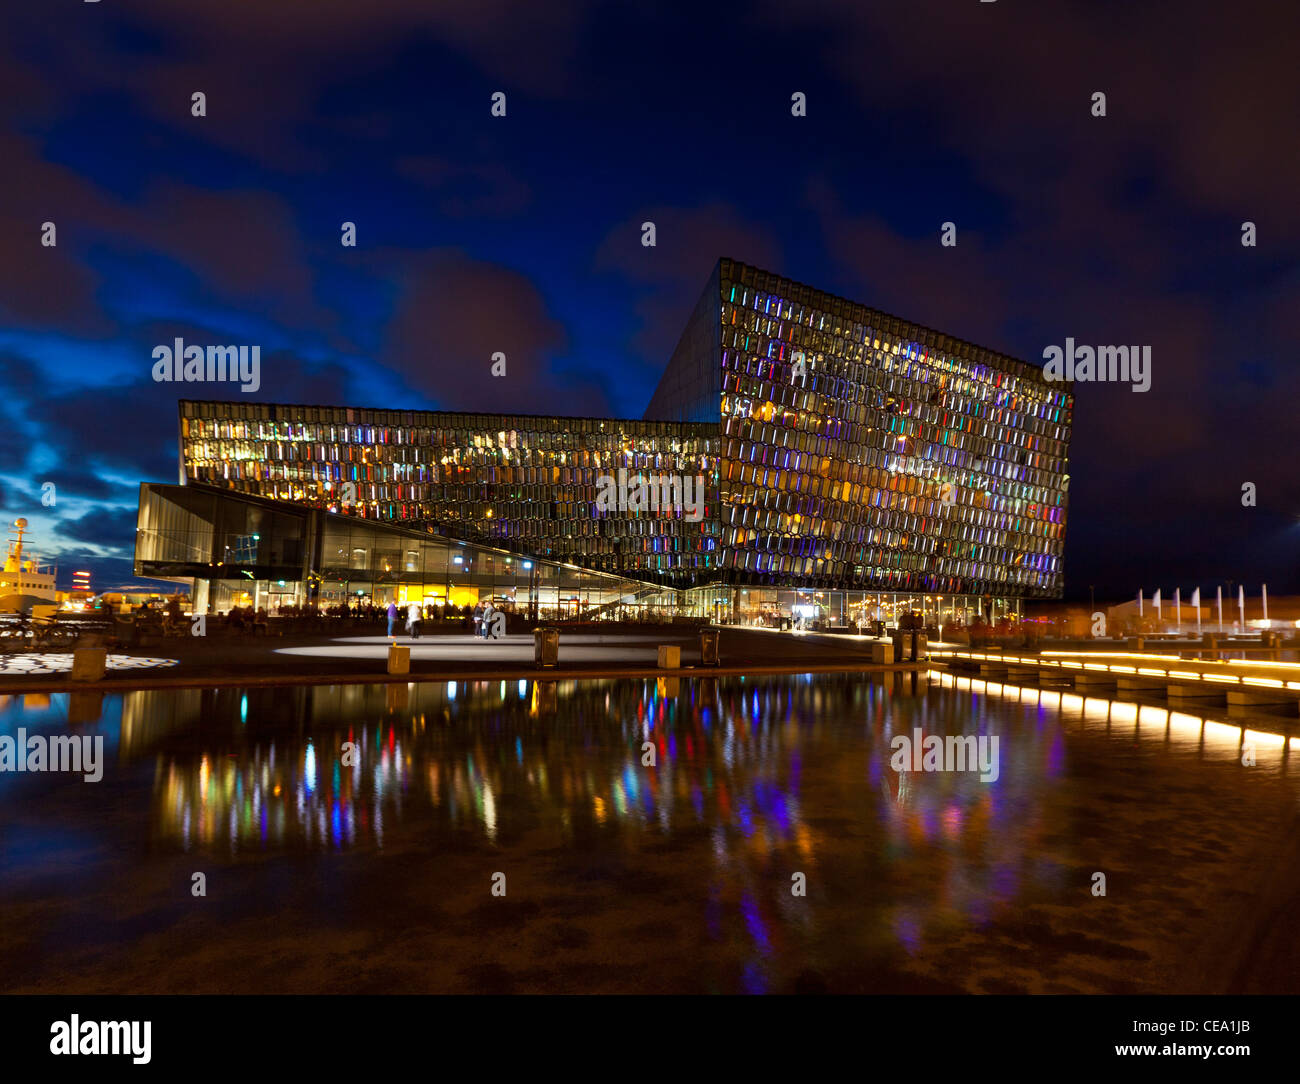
[[25, 581]]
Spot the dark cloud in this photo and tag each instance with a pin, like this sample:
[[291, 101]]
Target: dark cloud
[[668, 278], [238, 248], [20, 383], [44, 286], [241, 246], [22, 377], [262, 65], [464, 190], [80, 485], [1208, 99], [453, 313], [101, 527], [131, 428]]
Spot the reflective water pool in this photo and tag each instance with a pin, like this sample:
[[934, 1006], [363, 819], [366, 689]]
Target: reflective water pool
[[698, 835]]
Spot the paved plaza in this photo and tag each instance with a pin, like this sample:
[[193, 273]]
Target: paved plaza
[[353, 657]]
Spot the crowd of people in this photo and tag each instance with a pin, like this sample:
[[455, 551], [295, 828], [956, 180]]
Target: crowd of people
[[245, 618], [483, 619], [367, 611]]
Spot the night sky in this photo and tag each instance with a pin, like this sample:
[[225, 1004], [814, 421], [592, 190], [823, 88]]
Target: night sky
[[522, 234]]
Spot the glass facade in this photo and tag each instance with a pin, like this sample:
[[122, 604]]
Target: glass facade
[[526, 484], [859, 450], [853, 466], [248, 551]]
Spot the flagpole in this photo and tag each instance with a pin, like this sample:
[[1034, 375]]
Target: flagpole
[[1219, 603], [1241, 604], [1196, 604], [1264, 589], [1178, 609]]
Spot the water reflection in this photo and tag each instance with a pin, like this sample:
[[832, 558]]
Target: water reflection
[[701, 800], [246, 770]]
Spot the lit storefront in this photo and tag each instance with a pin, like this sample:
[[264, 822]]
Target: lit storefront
[[245, 551]]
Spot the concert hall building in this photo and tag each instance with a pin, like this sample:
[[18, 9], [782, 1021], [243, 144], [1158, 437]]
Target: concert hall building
[[802, 457]]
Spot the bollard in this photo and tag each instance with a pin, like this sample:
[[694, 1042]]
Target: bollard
[[882, 653], [546, 647], [399, 659], [709, 647], [1135, 643], [89, 663], [670, 657], [899, 643]]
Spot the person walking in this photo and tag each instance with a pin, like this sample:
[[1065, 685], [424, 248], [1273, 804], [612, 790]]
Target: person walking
[[392, 619], [413, 620]]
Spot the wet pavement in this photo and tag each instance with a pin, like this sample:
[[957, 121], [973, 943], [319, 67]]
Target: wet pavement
[[377, 874]]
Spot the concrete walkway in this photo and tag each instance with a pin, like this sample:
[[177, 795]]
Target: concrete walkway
[[192, 661]]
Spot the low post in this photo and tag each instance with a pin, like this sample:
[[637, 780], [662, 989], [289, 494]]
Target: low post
[[670, 657], [709, 647], [399, 659], [546, 648], [899, 642], [89, 663]]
